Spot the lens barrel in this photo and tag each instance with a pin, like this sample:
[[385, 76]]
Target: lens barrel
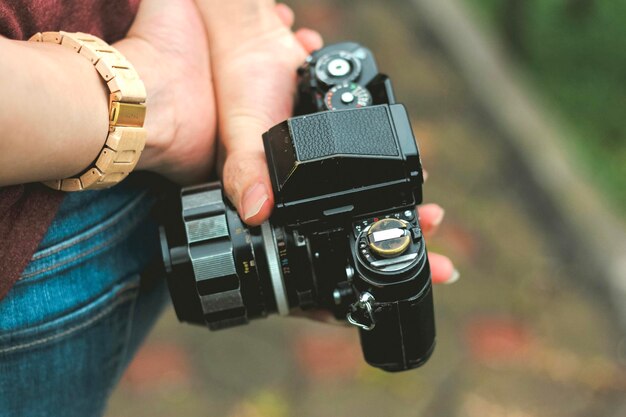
[[220, 272]]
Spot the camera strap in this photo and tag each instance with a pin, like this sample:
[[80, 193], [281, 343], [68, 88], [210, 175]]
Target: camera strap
[[361, 312]]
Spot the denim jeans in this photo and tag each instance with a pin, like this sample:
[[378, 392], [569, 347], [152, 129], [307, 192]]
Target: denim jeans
[[82, 306]]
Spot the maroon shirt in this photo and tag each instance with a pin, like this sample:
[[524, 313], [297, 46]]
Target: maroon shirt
[[26, 211]]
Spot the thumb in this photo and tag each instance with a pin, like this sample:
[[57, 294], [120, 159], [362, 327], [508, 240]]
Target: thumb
[[249, 103], [246, 179], [254, 89]]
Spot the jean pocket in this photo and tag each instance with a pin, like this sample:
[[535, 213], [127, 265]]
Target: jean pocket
[[97, 234], [78, 269], [70, 362], [112, 307]]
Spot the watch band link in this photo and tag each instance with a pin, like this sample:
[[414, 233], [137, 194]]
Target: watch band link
[[126, 137]]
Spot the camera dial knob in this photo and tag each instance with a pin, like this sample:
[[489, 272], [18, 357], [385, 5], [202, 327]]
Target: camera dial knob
[[388, 238], [337, 68], [347, 96]]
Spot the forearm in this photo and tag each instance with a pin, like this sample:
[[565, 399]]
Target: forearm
[[235, 30], [254, 57], [228, 21], [53, 115]]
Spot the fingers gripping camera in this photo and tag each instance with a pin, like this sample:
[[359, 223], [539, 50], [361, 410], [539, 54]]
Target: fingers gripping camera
[[344, 235]]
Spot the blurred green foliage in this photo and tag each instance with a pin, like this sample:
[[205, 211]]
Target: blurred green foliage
[[575, 51]]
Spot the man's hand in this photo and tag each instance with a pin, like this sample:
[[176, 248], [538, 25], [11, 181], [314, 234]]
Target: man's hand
[[254, 58], [168, 47]]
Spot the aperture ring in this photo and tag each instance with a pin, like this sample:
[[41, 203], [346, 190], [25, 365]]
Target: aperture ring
[[273, 266]]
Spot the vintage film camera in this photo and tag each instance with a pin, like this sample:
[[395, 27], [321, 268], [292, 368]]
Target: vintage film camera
[[344, 234]]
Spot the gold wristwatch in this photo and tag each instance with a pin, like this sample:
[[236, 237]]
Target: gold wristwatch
[[127, 111]]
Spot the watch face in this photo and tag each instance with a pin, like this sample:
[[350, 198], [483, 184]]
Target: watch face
[[337, 68]]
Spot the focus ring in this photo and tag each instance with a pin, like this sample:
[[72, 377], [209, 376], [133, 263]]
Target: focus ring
[[212, 258]]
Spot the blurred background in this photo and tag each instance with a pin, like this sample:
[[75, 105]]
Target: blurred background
[[518, 107]]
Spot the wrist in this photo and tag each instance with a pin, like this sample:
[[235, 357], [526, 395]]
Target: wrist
[[126, 136], [160, 120]]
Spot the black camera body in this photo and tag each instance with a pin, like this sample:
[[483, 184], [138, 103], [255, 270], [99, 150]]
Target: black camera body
[[344, 234]]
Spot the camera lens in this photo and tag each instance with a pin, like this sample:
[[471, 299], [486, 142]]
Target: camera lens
[[221, 272]]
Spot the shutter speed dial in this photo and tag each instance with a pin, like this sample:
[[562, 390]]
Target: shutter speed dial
[[347, 96], [337, 68]]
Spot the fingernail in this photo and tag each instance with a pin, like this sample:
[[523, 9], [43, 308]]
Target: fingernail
[[424, 175], [253, 200], [454, 277], [437, 220]]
